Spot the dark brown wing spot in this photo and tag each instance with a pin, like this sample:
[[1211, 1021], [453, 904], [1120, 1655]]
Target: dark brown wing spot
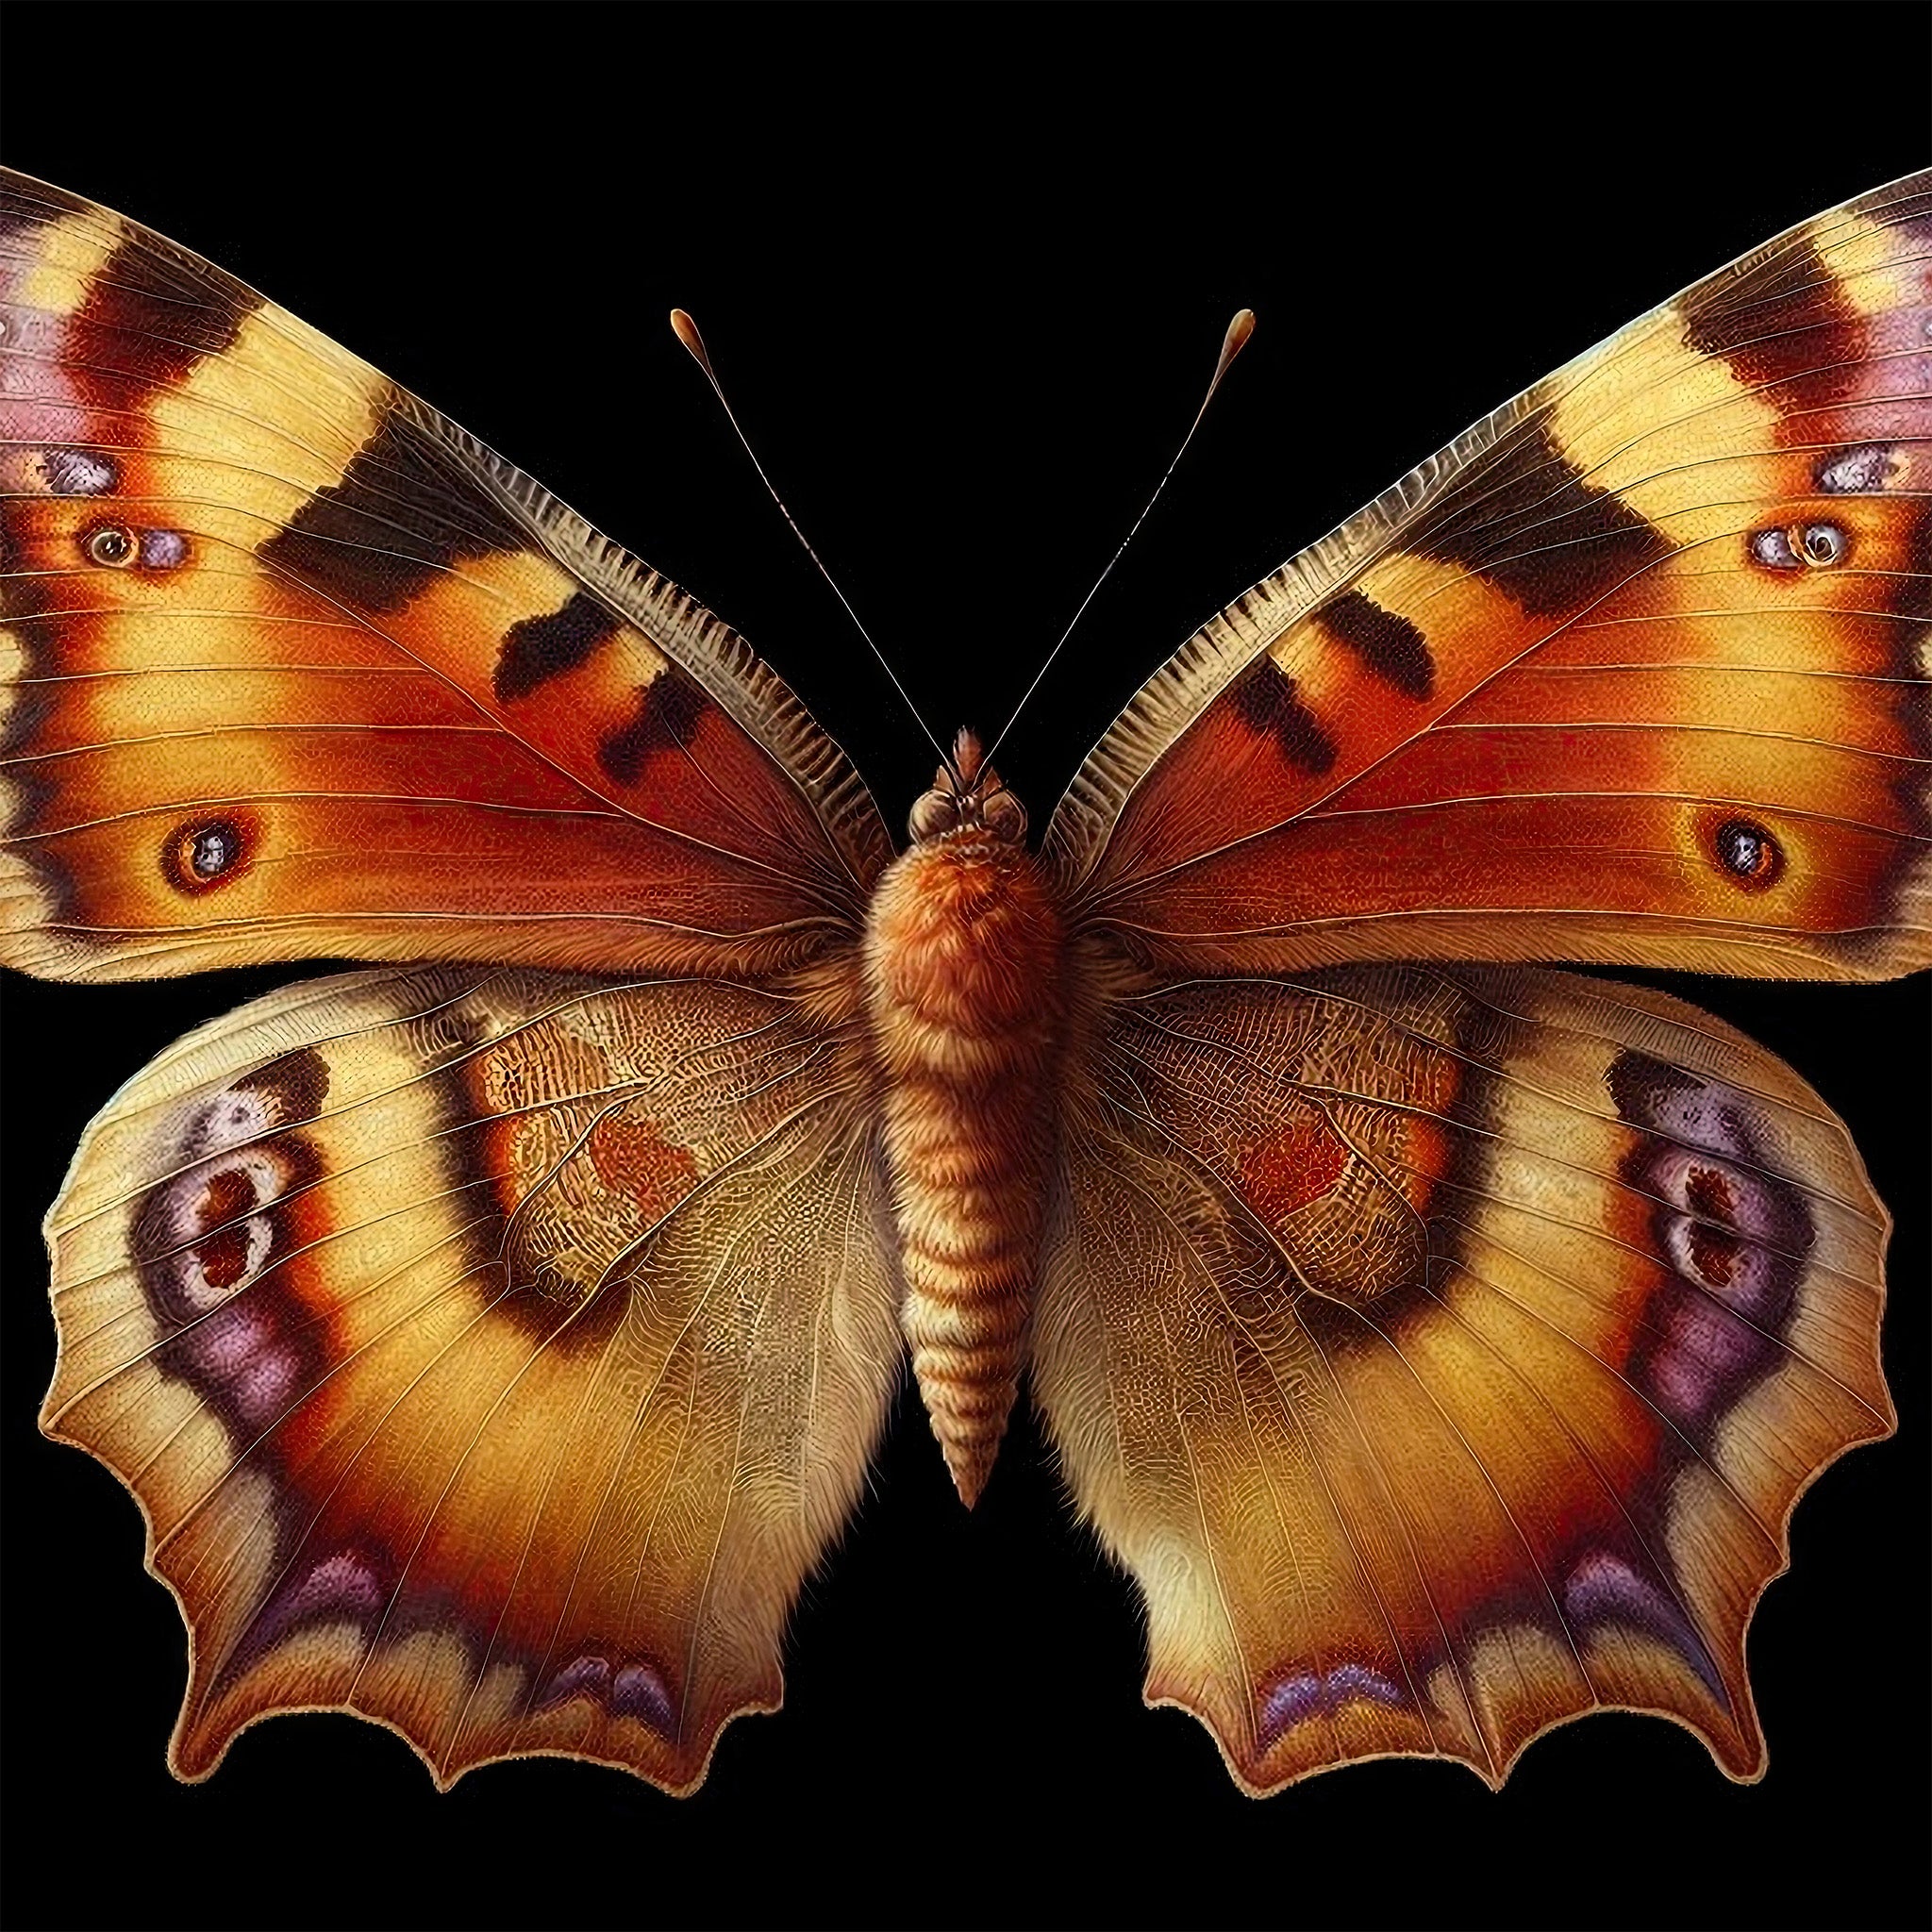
[[668, 711], [1392, 647], [403, 514], [540, 648], [1265, 699], [295, 1086], [149, 316], [1524, 520], [1786, 324]]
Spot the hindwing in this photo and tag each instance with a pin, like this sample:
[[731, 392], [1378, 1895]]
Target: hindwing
[[1443, 1352], [492, 1354]]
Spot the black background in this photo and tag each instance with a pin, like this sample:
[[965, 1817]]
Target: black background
[[964, 274]]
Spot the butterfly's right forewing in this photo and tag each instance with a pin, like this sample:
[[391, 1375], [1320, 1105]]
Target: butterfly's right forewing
[[1634, 671]]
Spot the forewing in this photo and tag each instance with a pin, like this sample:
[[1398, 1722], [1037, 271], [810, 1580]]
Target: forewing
[[491, 1356], [291, 666], [1444, 1352], [1634, 671]]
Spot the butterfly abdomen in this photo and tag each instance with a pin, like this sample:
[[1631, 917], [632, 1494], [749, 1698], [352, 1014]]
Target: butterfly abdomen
[[964, 977]]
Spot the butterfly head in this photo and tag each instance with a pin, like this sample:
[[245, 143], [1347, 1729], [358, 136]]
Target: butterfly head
[[967, 796]]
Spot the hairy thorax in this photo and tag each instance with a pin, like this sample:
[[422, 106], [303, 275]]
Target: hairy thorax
[[965, 986]]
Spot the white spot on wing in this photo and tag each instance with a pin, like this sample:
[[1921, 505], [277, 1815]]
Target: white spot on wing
[[1856, 471]]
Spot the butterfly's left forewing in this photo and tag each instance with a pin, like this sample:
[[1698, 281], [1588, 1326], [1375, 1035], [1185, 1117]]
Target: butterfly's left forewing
[[1444, 1350], [290, 666], [491, 1354]]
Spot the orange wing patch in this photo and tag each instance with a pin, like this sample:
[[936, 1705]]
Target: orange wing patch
[[1299, 1164], [1334, 1139], [633, 1158]]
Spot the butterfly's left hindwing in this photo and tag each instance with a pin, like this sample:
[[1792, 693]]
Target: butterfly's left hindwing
[[492, 1354], [1445, 1353], [289, 667]]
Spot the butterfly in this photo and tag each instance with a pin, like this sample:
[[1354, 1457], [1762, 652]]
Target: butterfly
[[495, 1337]]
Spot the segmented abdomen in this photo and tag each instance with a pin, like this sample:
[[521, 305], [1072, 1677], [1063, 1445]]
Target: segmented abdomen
[[964, 982]]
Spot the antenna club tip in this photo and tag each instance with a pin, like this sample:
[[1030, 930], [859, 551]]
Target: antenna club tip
[[686, 330], [1240, 329]]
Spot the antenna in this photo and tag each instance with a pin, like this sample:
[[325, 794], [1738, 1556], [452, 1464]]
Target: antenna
[[686, 332], [1232, 344]]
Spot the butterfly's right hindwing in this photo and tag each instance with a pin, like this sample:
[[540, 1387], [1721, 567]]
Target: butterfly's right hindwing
[[1445, 1353]]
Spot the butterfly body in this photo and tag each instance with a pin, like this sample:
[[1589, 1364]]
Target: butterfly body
[[966, 972], [496, 1336]]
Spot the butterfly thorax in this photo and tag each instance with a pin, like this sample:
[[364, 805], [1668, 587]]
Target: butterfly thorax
[[965, 986]]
